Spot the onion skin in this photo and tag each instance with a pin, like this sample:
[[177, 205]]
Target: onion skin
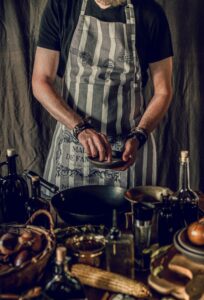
[[195, 232]]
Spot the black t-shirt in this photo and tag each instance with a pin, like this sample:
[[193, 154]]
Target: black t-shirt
[[153, 38]]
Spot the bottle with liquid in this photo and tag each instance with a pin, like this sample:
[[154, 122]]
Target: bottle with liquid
[[120, 251], [14, 192], [36, 202], [178, 215], [187, 198], [165, 222], [63, 285]]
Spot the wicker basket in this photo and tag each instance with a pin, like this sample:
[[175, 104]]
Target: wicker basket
[[30, 272]]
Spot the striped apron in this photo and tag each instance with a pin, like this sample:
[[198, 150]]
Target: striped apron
[[102, 81]]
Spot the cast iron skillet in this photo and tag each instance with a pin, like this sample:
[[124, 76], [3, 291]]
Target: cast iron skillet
[[92, 204]]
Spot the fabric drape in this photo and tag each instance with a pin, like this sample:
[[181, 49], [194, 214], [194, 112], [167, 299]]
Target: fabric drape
[[27, 127]]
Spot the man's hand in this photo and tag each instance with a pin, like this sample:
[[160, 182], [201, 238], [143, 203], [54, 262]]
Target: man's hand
[[129, 154], [95, 144]]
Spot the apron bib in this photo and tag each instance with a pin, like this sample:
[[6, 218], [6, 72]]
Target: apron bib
[[102, 81]]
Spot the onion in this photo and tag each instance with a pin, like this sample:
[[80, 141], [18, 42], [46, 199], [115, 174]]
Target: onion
[[25, 237], [195, 232], [8, 243]]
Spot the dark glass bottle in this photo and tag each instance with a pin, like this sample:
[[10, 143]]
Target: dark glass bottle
[[63, 285], [165, 222], [178, 216], [36, 202], [187, 198], [14, 192]]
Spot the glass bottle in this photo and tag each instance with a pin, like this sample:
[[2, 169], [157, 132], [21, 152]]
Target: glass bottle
[[36, 202], [165, 222], [120, 250], [14, 192], [63, 285], [178, 216], [187, 198]]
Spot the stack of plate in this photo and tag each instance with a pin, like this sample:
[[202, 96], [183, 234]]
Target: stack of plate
[[183, 245]]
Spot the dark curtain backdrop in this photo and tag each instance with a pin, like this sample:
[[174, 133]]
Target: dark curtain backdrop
[[26, 126]]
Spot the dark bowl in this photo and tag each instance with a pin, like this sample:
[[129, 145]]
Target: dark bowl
[[115, 163], [186, 250]]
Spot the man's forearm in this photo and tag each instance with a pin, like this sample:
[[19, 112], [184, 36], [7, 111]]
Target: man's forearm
[[46, 94], [155, 111]]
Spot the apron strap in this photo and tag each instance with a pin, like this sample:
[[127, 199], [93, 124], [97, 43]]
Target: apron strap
[[130, 19], [129, 11], [83, 8]]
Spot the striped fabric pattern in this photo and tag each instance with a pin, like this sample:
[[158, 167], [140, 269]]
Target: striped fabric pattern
[[103, 81]]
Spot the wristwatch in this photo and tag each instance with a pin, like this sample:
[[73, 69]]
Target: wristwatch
[[140, 134], [84, 124]]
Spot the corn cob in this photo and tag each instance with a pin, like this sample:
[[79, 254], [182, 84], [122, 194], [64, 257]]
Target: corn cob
[[109, 281]]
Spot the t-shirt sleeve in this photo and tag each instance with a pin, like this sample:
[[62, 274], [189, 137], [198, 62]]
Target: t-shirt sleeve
[[160, 42], [49, 34]]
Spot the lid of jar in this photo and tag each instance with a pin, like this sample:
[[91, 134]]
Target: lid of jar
[[143, 213]]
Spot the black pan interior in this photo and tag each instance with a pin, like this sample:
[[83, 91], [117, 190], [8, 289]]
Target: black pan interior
[[90, 200]]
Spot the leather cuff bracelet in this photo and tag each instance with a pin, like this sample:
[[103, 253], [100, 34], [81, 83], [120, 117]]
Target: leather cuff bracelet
[[140, 134], [81, 127]]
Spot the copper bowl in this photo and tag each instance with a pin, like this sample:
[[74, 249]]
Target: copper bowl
[[88, 244]]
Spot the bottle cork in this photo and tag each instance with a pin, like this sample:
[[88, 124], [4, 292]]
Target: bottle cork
[[61, 253], [10, 152], [184, 156]]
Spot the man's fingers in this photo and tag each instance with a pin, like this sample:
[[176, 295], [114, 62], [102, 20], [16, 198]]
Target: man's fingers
[[96, 144], [87, 148], [98, 141], [107, 147], [92, 147], [127, 154]]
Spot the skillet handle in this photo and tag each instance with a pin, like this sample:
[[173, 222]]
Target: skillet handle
[[47, 185]]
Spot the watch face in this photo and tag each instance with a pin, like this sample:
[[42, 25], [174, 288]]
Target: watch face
[[140, 136]]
